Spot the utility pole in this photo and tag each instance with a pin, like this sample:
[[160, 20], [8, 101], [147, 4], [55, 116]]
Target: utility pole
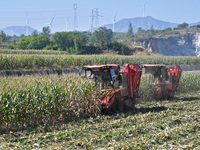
[[92, 24], [96, 17], [75, 17]]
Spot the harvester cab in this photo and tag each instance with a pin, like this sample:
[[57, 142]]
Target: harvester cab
[[167, 79], [122, 84], [106, 74]]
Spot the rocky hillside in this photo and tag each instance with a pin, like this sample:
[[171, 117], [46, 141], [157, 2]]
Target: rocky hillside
[[184, 45]]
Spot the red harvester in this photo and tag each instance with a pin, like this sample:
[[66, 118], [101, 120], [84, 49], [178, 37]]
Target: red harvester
[[123, 84], [168, 79]]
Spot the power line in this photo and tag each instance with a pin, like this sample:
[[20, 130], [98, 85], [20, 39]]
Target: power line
[[95, 19], [39, 18], [96, 12], [92, 24]]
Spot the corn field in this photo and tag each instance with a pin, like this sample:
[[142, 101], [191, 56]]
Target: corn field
[[16, 62], [189, 83], [44, 100], [147, 88]]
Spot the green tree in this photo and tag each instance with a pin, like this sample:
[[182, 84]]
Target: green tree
[[140, 29], [183, 25], [102, 37], [120, 48], [2, 37], [24, 42], [14, 42], [46, 30], [10, 46], [151, 31], [34, 33], [39, 42], [168, 29], [80, 40], [22, 35], [130, 29], [73, 42]]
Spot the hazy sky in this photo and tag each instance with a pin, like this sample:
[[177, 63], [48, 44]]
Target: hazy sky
[[41, 12]]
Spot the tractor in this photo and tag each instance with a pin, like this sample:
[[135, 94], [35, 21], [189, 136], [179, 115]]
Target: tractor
[[121, 84], [167, 79]]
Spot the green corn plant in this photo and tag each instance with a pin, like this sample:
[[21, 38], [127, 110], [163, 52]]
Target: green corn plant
[[34, 61], [189, 83], [148, 88], [42, 100]]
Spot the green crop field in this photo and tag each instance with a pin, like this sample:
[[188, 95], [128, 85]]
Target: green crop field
[[34, 62], [62, 112], [45, 100], [156, 125]]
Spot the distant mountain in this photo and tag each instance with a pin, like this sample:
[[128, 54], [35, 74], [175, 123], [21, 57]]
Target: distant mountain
[[18, 30], [193, 24], [143, 22]]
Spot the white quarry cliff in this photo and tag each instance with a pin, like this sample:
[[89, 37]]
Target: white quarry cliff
[[185, 45], [197, 42]]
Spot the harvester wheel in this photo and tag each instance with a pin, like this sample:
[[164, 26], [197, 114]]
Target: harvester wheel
[[120, 105], [171, 95], [133, 103], [105, 110], [114, 106]]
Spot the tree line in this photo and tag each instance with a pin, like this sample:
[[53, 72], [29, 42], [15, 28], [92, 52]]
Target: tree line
[[142, 35], [71, 42], [89, 43]]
